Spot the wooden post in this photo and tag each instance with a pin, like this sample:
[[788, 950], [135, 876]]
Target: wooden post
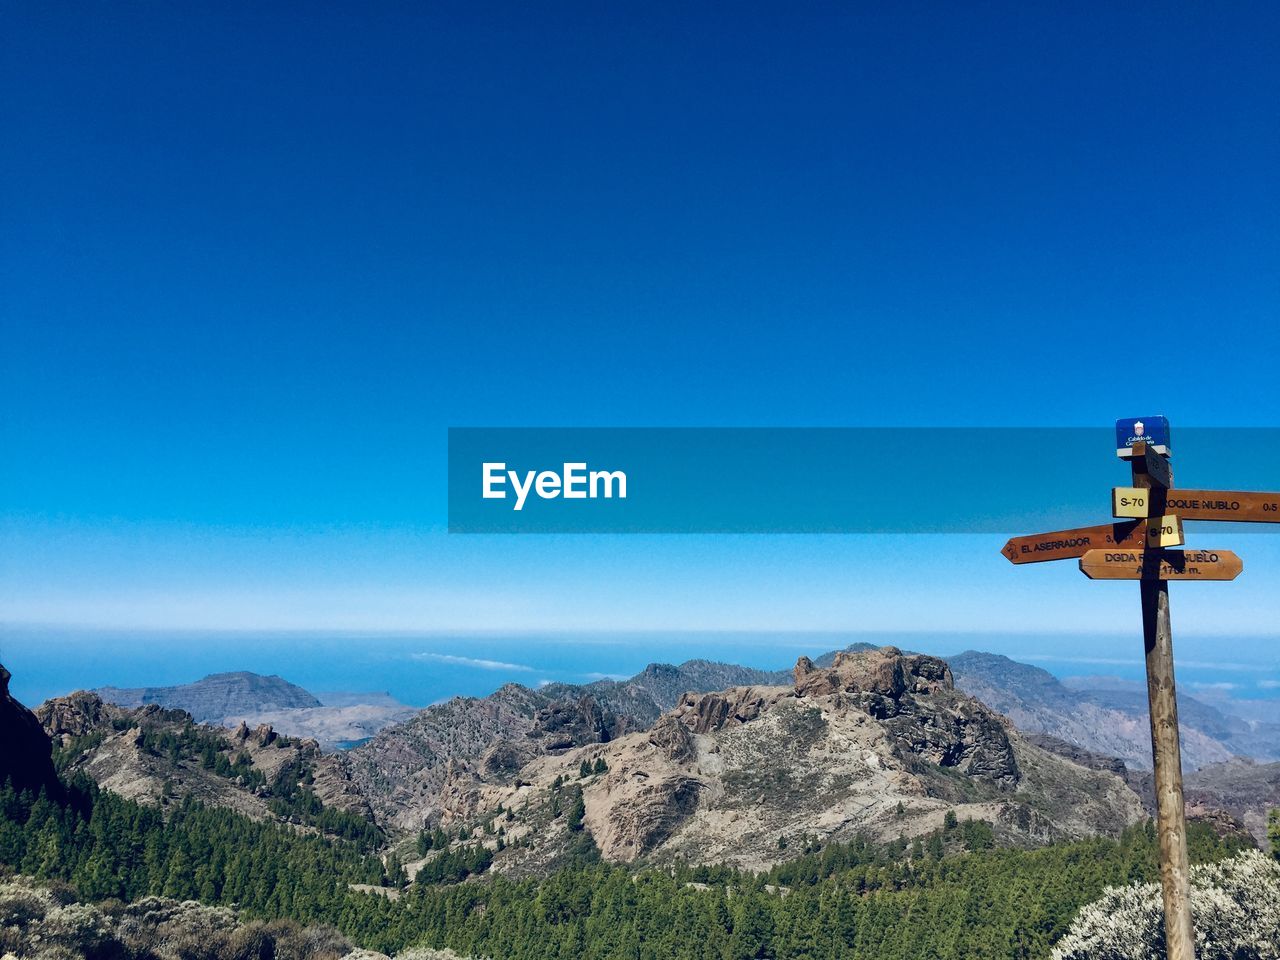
[[1166, 749]]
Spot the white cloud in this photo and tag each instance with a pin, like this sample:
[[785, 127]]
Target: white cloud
[[1213, 686], [472, 662], [1269, 684]]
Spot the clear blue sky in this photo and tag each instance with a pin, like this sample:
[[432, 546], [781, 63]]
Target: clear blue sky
[[254, 262]]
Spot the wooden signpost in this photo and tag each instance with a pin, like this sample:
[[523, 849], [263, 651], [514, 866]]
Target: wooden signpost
[[1170, 564], [1134, 548]]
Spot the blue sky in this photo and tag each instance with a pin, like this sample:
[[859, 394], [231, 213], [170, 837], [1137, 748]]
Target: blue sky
[[254, 263]]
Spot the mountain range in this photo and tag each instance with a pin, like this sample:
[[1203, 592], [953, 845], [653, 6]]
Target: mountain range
[[1108, 719], [702, 762]]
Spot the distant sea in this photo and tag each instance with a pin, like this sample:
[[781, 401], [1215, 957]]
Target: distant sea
[[420, 669]]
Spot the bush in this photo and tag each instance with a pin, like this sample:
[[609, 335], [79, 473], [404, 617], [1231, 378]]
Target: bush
[[1235, 906]]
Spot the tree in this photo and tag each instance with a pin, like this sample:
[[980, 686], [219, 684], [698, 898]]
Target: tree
[[577, 810], [935, 846], [395, 872], [1273, 832]]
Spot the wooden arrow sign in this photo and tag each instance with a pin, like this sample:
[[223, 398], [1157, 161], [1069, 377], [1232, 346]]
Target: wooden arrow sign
[[1069, 544], [1066, 544], [1196, 504], [1166, 564], [1224, 505]]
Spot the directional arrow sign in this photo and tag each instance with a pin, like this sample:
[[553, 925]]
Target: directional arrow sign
[[1167, 564], [1223, 505], [1065, 544]]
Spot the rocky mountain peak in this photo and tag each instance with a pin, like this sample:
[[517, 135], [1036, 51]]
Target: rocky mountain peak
[[885, 671]]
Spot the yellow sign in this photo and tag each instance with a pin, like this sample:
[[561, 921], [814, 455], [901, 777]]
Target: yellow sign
[[1164, 532], [1132, 502]]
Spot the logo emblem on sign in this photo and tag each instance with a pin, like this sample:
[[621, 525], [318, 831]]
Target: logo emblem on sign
[[1138, 427]]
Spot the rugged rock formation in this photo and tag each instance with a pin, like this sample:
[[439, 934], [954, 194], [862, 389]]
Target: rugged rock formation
[[708, 712], [914, 697], [879, 743], [26, 759]]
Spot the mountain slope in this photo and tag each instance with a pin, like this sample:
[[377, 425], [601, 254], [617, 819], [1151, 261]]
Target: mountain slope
[[157, 755], [405, 770], [1108, 722], [1242, 788]]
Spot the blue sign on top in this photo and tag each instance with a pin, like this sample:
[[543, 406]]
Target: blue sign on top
[[1154, 431]]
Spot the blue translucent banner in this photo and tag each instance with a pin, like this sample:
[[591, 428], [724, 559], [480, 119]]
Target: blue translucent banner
[[820, 480]]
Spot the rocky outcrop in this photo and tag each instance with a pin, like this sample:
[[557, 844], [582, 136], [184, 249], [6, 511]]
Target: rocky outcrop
[[26, 762], [886, 673], [705, 713], [1242, 788], [637, 702], [673, 739], [566, 724], [74, 715], [1081, 755]]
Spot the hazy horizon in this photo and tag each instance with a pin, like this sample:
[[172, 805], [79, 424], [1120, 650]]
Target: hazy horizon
[[420, 668]]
